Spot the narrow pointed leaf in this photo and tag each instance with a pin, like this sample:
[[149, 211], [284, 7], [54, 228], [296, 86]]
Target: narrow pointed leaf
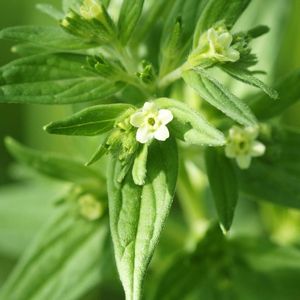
[[223, 184], [90, 121], [289, 93], [219, 10], [247, 77], [44, 36], [189, 126], [53, 165], [131, 11], [53, 79], [217, 95], [137, 213], [61, 251]]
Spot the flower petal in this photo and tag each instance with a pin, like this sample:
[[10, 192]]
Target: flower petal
[[225, 40], [232, 54], [162, 133], [244, 161], [143, 135], [137, 119], [258, 149], [230, 150], [149, 107], [165, 116]]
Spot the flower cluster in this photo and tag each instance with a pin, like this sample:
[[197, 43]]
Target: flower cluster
[[242, 145]]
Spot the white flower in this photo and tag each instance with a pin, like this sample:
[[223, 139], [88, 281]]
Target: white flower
[[215, 45], [220, 46], [242, 145], [151, 123]]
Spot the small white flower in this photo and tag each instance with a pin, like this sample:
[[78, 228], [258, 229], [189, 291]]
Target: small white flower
[[242, 145], [220, 46], [215, 45], [151, 123]]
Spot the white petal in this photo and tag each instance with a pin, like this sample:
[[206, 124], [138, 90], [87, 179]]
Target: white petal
[[165, 116], [162, 133], [252, 132], [258, 149], [143, 135], [149, 107], [225, 40], [137, 119], [244, 161], [230, 150]]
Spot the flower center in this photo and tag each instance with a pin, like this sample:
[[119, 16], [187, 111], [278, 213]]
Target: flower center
[[151, 121]]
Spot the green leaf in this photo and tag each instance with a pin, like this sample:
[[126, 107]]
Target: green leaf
[[66, 260], [219, 10], [44, 36], [223, 183], [53, 165], [131, 11], [53, 79], [272, 182], [217, 95], [289, 93], [50, 10], [247, 77], [190, 126], [91, 121], [146, 207], [139, 169]]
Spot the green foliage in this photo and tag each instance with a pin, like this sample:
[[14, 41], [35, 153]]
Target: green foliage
[[147, 207], [223, 182], [139, 74], [217, 95]]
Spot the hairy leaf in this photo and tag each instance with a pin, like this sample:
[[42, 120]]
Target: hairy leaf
[[53, 165], [44, 36], [139, 169], [217, 95], [66, 260], [52, 79], [219, 10], [131, 11], [223, 184], [90, 121], [190, 126], [247, 77], [289, 93], [137, 214]]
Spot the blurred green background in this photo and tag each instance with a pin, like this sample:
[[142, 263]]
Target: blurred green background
[[278, 52]]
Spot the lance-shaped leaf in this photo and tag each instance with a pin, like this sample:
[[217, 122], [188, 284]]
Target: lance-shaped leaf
[[190, 126], [289, 93], [131, 11], [54, 165], [217, 95], [246, 76], [44, 36], [69, 257], [90, 121], [219, 10], [53, 79], [137, 213], [223, 183]]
